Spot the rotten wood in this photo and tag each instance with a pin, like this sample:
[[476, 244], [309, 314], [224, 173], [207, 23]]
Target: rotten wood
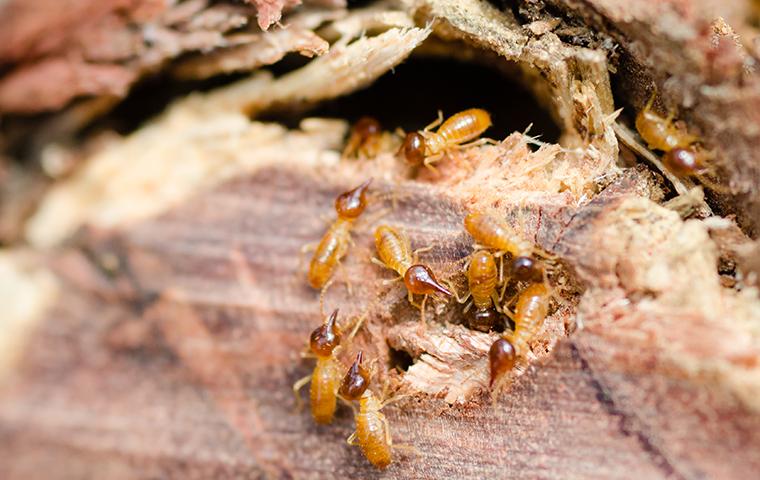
[[159, 316], [181, 336]]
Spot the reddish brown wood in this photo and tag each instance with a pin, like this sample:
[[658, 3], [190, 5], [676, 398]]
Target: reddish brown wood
[[179, 363]]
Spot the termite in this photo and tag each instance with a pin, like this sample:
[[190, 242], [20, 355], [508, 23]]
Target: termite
[[681, 157], [373, 434], [364, 138], [694, 163], [529, 315], [661, 133], [427, 147], [482, 279], [334, 244], [324, 344], [493, 232], [395, 252]]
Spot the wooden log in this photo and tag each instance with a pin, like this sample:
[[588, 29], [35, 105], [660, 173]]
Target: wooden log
[[163, 338], [169, 354]]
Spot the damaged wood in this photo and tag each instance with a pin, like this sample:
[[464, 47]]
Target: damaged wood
[[221, 307], [166, 294]]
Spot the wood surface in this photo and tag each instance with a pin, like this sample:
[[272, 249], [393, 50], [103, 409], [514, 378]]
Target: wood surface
[[157, 289], [187, 364]]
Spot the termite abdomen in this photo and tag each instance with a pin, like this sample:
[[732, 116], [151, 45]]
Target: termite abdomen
[[482, 278], [465, 126]]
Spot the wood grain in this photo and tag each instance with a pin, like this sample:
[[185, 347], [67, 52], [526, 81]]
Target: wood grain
[[168, 356]]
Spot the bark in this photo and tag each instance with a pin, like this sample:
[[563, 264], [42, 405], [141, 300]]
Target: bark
[[159, 302]]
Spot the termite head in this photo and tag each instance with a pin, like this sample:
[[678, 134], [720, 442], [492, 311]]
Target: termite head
[[484, 320], [356, 381], [501, 358], [527, 269], [683, 162], [326, 337], [366, 127], [420, 280], [352, 203], [413, 148]]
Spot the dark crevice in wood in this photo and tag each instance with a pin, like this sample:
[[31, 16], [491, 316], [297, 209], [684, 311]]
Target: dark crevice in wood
[[399, 359], [410, 96]]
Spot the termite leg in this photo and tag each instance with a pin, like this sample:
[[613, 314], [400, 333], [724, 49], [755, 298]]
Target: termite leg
[[467, 307], [297, 388], [503, 291], [351, 440], [466, 265], [410, 297], [416, 253], [450, 286], [422, 308], [307, 354], [346, 279], [390, 281], [650, 102], [393, 399], [322, 297], [378, 262], [357, 326], [435, 122], [498, 386], [496, 299], [348, 404], [476, 143], [409, 448], [388, 437], [670, 117], [429, 161]]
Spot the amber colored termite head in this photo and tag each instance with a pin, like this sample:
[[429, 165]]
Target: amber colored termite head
[[501, 358], [682, 161], [484, 320], [366, 127], [527, 269], [413, 148], [420, 280], [325, 337], [352, 203], [356, 381]]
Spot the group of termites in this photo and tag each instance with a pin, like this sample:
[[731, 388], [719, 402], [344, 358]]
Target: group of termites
[[496, 244], [495, 239]]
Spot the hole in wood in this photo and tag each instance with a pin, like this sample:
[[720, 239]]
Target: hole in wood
[[410, 97], [399, 359]]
